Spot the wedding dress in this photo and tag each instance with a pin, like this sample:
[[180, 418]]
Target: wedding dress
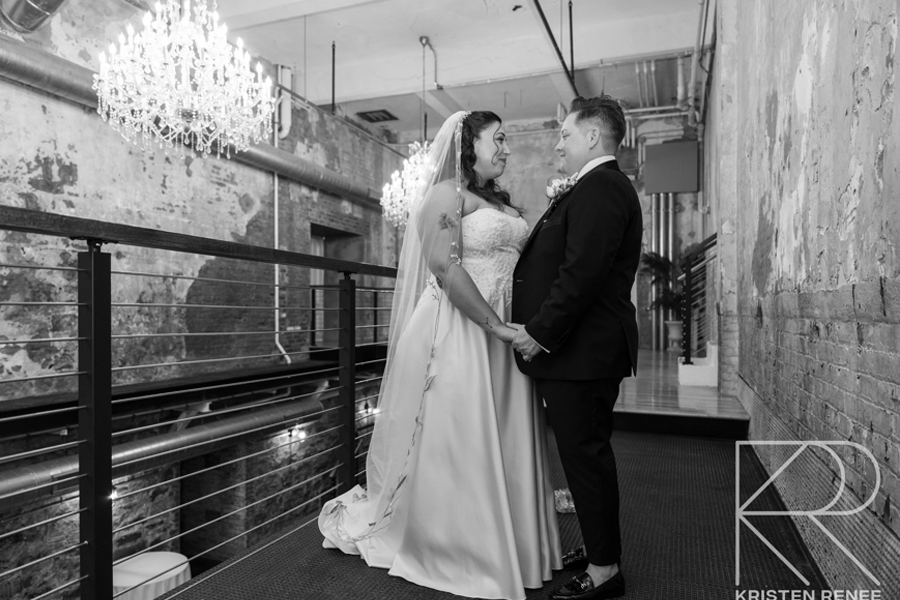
[[475, 512]]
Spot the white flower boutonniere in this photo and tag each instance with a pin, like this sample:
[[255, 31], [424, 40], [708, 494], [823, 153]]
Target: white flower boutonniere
[[558, 187]]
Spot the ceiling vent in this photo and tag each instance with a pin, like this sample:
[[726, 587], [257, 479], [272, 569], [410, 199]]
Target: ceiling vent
[[27, 16], [376, 116]]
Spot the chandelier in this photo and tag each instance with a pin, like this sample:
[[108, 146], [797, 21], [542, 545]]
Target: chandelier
[[179, 82], [397, 195]]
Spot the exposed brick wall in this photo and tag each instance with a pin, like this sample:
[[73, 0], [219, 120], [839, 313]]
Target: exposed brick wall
[[809, 284]]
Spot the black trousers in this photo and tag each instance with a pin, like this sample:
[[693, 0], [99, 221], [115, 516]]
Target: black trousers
[[581, 415]]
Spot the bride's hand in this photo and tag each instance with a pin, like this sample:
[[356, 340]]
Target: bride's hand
[[505, 334]]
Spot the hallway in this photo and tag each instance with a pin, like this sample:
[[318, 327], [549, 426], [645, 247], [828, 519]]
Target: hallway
[[677, 519]]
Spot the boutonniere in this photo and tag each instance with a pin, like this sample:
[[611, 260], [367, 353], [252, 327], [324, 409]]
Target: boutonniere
[[560, 186]]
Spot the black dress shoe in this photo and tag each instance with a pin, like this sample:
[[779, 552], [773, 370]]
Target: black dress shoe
[[581, 587], [575, 560]]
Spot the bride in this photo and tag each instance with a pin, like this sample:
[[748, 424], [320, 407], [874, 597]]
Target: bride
[[458, 492]]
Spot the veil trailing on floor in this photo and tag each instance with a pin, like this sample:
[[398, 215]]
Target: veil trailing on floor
[[398, 422]]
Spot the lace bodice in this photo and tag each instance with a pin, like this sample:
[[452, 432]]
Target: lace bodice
[[492, 241]]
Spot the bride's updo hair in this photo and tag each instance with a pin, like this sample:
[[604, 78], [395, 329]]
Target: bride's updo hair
[[472, 126]]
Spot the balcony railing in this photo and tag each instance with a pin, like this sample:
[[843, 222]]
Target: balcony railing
[[130, 403], [697, 268]]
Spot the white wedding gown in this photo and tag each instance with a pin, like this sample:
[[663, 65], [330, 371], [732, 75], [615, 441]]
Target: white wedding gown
[[476, 516]]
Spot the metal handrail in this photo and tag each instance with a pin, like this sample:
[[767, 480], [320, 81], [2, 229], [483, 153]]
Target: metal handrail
[[693, 273], [95, 464], [37, 222]]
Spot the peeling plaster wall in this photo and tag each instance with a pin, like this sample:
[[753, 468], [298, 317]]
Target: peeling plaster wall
[[807, 187], [60, 157]]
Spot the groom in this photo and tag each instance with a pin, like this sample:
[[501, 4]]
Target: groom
[[579, 338]]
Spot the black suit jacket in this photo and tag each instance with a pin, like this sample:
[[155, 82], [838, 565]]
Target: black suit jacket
[[572, 284]]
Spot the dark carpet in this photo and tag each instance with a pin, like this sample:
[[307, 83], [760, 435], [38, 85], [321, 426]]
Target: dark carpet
[[677, 520]]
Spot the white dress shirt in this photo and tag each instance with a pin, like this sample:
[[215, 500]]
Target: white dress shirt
[[594, 162]]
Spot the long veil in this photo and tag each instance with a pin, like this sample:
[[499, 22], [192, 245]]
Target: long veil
[[398, 422]]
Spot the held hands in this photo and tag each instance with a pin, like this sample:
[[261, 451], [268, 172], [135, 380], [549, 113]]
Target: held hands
[[523, 343], [504, 333]]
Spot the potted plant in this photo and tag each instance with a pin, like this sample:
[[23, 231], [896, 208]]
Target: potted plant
[[669, 293]]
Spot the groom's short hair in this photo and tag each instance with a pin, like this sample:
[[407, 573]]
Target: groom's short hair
[[604, 112]]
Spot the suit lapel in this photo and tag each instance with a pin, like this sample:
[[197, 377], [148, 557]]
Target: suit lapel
[[612, 164], [540, 222]]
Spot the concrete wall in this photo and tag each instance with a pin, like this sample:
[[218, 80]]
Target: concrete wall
[[806, 188]]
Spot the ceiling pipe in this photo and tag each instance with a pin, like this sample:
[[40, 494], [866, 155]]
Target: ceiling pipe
[[652, 109], [695, 61], [285, 104], [570, 76], [51, 74], [426, 42], [637, 77], [646, 78], [132, 457], [27, 16]]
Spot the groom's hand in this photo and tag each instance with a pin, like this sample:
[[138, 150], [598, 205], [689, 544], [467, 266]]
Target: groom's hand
[[524, 343]]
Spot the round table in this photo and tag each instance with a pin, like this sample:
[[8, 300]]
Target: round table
[[155, 573]]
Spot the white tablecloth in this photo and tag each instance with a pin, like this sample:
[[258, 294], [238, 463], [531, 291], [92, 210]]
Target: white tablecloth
[[152, 566]]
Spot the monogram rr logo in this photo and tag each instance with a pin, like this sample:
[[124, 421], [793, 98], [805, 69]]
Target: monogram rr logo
[[741, 512]]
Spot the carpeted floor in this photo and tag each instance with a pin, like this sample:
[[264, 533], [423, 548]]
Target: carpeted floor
[[677, 519]]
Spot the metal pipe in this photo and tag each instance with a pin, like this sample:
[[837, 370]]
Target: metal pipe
[[40, 70], [571, 44], [670, 207], [16, 484], [27, 16], [665, 115], [661, 233], [695, 61], [333, 54], [646, 78], [637, 77], [651, 109], [275, 196], [653, 82], [654, 325], [562, 61], [426, 42], [680, 97]]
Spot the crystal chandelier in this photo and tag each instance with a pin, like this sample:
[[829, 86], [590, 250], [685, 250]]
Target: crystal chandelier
[[397, 195], [179, 82]]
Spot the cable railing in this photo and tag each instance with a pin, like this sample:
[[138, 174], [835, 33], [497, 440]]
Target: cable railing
[[145, 412], [697, 268]]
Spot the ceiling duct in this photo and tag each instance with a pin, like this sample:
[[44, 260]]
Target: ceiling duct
[[27, 16]]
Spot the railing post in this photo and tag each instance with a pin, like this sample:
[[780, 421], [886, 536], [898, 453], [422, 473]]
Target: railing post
[[312, 316], [687, 299], [347, 361], [95, 422]]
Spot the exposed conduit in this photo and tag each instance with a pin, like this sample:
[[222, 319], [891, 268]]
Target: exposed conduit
[[40, 70], [569, 75], [695, 61], [148, 453]]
